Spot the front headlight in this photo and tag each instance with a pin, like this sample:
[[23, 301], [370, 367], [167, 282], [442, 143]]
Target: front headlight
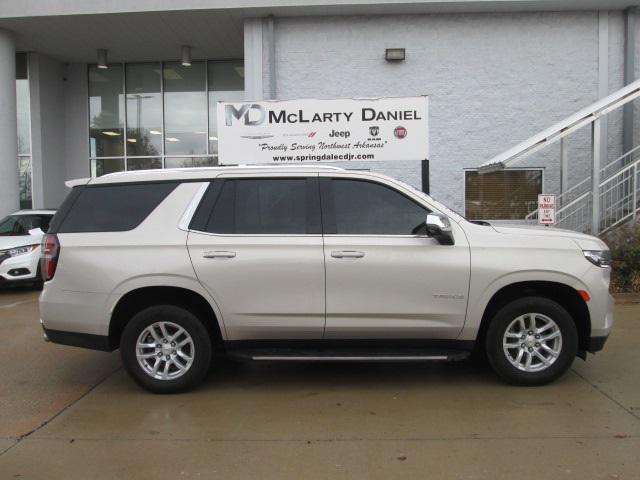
[[14, 252], [600, 258]]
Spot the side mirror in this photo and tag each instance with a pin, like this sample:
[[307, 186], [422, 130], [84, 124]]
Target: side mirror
[[36, 231], [439, 227]]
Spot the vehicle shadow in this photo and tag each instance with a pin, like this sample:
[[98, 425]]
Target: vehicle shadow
[[258, 375], [18, 292]]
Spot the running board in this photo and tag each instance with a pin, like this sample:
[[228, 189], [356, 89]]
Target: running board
[[355, 355]]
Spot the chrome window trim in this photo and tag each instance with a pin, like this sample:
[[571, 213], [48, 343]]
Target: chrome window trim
[[256, 235], [232, 235]]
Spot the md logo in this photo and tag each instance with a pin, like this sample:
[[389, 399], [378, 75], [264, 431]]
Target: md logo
[[252, 113]]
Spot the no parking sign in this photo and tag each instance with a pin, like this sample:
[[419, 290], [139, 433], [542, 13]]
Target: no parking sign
[[546, 209]]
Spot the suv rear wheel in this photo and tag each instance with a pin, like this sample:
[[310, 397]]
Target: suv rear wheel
[[531, 341], [166, 349]]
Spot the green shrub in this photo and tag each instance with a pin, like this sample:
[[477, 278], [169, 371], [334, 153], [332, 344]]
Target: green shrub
[[624, 243]]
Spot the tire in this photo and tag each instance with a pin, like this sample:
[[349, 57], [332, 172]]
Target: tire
[[166, 323], [555, 337]]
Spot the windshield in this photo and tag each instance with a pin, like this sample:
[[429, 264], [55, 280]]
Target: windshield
[[15, 225]]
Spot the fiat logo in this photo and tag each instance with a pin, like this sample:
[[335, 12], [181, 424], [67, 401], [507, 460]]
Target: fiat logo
[[400, 132]]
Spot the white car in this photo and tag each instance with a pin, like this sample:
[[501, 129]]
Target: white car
[[310, 263], [20, 238]]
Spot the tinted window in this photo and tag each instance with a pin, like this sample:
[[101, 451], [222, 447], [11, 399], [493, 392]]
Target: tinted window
[[263, 206], [366, 208], [62, 211], [14, 225], [113, 208]]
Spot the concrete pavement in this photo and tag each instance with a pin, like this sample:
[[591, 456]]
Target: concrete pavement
[[74, 414]]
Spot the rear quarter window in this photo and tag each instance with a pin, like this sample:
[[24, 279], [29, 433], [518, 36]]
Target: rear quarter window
[[109, 208]]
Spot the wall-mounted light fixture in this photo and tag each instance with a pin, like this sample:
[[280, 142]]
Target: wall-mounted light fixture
[[394, 54], [186, 56], [102, 58]]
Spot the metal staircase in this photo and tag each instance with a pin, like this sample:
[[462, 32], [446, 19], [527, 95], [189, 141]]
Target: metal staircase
[[609, 196], [618, 197]]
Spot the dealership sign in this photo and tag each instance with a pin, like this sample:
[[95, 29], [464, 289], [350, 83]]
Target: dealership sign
[[546, 209], [297, 131]]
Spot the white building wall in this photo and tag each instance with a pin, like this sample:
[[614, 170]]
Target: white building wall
[[616, 82], [493, 80]]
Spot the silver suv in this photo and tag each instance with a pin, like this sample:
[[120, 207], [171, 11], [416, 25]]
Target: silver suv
[[312, 263]]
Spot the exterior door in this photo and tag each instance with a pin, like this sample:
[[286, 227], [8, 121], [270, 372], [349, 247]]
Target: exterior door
[[384, 278], [256, 246]]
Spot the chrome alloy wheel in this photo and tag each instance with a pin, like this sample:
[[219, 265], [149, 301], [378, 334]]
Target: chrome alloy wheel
[[165, 350], [532, 342]]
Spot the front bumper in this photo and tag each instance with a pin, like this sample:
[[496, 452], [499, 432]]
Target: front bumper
[[23, 268]]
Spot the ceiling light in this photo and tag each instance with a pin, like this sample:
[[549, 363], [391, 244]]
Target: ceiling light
[[132, 140], [155, 132], [172, 139], [111, 134], [394, 54], [186, 56], [102, 58]]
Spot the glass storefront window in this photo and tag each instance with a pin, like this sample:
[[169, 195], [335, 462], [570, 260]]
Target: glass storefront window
[[24, 117], [143, 163], [102, 166], [106, 111], [226, 83], [144, 109], [185, 107], [186, 162], [23, 107], [164, 112], [24, 179]]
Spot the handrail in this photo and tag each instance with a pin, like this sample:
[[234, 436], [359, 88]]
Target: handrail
[[534, 213], [620, 202], [563, 128], [621, 157]]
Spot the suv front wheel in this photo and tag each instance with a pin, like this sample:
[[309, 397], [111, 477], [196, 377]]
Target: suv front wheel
[[166, 349], [531, 341]]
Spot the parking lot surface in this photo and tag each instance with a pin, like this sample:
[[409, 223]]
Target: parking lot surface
[[68, 413]]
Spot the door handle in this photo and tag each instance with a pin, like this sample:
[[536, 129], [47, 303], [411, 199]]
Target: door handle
[[347, 254], [219, 254]]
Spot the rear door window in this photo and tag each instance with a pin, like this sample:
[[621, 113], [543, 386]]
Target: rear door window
[[266, 206], [111, 208]]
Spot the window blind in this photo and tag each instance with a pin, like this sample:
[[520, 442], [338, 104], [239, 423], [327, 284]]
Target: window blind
[[503, 195]]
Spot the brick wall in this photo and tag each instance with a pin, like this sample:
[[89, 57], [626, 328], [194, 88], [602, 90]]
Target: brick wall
[[493, 80]]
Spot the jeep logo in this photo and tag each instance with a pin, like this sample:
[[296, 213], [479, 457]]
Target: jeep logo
[[245, 111], [339, 133]]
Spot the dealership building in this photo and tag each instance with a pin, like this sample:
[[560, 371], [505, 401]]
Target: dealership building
[[92, 87]]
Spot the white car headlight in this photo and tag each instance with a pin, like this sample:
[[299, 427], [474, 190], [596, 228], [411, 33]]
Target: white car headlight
[[600, 258], [14, 252]]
